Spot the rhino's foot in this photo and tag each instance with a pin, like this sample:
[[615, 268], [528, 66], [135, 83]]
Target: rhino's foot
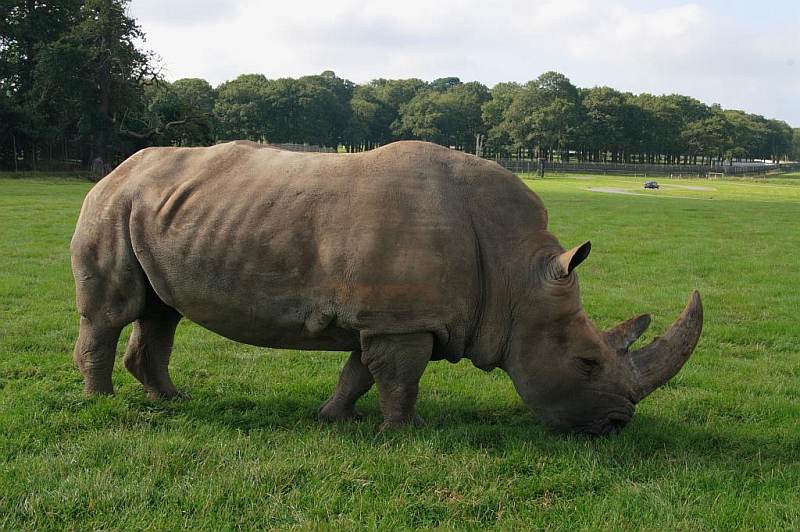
[[168, 395], [98, 390], [331, 412], [395, 424]]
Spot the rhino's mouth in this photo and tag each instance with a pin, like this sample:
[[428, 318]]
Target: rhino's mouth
[[610, 423]]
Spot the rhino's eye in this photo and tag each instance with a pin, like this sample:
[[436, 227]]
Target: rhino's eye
[[588, 366]]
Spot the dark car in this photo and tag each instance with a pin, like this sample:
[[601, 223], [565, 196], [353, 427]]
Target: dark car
[[650, 184]]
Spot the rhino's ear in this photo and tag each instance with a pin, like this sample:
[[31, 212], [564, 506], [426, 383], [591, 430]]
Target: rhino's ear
[[569, 260]]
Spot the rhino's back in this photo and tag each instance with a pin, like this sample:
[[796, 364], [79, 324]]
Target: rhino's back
[[305, 250]]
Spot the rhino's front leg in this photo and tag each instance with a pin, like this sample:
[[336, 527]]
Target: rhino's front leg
[[397, 362], [354, 381]]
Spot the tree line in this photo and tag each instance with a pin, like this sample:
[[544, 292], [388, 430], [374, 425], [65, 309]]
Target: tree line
[[75, 86]]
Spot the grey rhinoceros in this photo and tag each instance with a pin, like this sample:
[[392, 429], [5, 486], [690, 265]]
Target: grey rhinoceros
[[402, 255]]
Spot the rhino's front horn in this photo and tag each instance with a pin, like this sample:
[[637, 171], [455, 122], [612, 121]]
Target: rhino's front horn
[[659, 361]]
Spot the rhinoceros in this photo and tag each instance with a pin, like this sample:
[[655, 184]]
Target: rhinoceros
[[405, 254]]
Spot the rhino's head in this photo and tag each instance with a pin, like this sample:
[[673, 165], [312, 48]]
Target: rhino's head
[[575, 377]]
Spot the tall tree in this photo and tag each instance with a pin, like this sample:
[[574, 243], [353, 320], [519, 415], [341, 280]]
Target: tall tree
[[111, 72], [462, 114], [73, 71], [197, 99], [709, 137], [603, 128], [544, 115], [179, 113], [376, 108], [26, 28], [493, 114], [370, 118], [242, 108], [421, 118], [451, 117], [747, 134], [322, 109], [779, 139], [327, 110]]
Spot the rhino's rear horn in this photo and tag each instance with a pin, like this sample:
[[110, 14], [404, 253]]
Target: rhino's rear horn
[[659, 361], [621, 337]]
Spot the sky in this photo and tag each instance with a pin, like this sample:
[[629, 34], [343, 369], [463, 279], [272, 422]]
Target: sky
[[740, 54]]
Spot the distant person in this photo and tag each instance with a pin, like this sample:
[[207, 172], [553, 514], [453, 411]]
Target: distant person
[[97, 170], [540, 170]]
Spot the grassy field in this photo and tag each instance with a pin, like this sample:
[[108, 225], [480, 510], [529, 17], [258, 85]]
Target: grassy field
[[719, 447]]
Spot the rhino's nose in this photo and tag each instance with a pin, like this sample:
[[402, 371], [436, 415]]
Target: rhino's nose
[[616, 421]]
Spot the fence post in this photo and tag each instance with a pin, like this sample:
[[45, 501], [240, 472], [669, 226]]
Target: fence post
[[14, 142]]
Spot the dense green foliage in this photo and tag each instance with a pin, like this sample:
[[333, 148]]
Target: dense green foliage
[[717, 448], [70, 74], [74, 86]]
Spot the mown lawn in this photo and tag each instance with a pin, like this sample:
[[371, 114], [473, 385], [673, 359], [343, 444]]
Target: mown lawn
[[719, 447]]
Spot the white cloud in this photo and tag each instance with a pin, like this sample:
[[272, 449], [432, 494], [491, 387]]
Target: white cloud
[[633, 38], [671, 47]]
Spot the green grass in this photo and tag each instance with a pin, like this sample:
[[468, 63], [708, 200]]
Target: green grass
[[719, 447]]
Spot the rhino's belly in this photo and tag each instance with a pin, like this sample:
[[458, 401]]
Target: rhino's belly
[[247, 299], [270, 311], [280, 336], [262, 317]]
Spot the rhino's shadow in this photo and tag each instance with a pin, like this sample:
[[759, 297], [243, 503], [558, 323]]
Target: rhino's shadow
[[249, 413], [456, 426]]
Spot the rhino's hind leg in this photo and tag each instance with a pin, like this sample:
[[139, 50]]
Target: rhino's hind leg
[[397, 362], [149, 349], [110, 294], [354, 381], [94, 355]]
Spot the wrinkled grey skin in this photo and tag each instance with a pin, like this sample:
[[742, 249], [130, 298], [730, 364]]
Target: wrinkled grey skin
[[401, 255]]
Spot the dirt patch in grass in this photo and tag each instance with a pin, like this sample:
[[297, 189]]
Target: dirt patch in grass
[[652, 194], [611, 190], [691, 187]]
